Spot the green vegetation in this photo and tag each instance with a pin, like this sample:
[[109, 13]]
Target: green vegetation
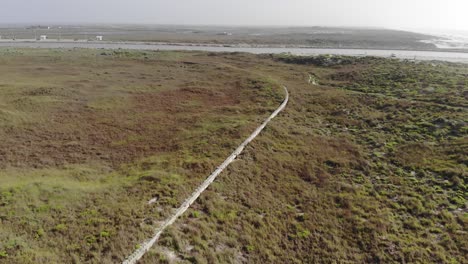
[[344, 175], [88, 138], [368, 166]]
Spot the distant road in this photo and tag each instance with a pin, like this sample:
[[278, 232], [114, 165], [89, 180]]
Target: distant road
[[401, 54]]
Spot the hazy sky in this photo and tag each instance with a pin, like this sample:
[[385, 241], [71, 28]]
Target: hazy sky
[[428, 14]]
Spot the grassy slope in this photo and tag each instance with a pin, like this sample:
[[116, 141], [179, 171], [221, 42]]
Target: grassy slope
[[369, 166]]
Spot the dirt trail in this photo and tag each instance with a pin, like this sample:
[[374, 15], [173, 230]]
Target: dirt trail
[[140, 252]]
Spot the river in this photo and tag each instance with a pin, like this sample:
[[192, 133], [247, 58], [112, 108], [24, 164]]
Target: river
[[401, 54]]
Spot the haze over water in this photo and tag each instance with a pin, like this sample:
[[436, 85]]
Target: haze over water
[[431, 14]]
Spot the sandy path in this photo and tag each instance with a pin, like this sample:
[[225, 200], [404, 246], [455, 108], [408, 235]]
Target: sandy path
[[139, 253]]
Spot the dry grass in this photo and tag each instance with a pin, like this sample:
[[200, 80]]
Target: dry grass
[[328, 182], [346, 174], [85, 145]]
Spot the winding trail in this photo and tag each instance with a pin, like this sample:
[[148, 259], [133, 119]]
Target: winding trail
[[140, 252]]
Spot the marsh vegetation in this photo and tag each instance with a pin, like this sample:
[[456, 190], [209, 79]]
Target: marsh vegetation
[[367, 164]]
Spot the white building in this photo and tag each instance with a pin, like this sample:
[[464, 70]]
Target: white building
[[99, 38], [43, 37]]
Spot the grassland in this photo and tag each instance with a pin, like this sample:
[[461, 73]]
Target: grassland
[[369, 165]]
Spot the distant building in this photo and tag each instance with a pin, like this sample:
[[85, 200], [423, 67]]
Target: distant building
[[225, 34], [43, 37], [99, 38]]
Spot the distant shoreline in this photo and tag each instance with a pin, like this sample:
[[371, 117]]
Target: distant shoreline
[[218, 45], [399, 54]]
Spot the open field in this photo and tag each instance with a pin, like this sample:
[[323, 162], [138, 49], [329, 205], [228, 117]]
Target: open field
[[367, 163], [87, 135]]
